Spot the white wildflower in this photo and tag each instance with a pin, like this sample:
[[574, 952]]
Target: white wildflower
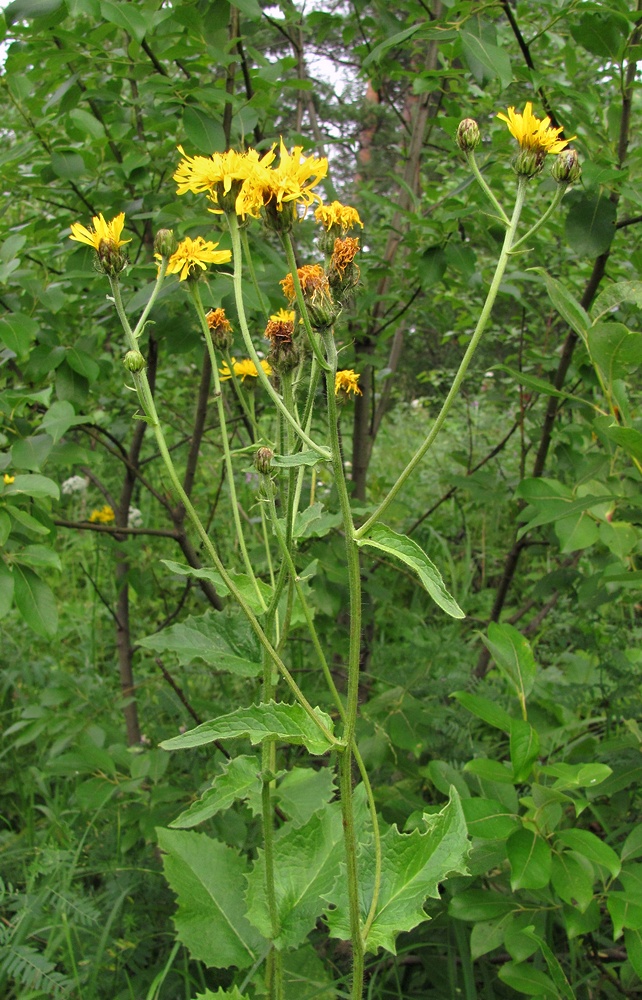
[[75, 484], [134, 518]]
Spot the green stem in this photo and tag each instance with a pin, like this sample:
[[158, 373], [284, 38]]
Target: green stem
[[151, 416], [250, 265], [472, 162], [240, 395], [557, 197], [303, 309], [140, 326], [229, 469], [263, 379], [463, 367]]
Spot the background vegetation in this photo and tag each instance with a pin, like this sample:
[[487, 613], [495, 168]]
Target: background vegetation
[[530, 503]]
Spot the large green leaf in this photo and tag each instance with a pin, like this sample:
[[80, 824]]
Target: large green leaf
[[572, 877], [126, 16], [513, 655], [616, 350], [240, 778], [566, 304], [486, 60], [223, 640], [209, 880], [386, 540], [59, 418], [525, 978], [303, 790], [273, 721], [307, 864], [491, 713], [587, 844], [17, 331], [530, 860], [35, 601], [203, 132], [590, 225], [489, 819], [524, 748], [34, 486], [413, 865]]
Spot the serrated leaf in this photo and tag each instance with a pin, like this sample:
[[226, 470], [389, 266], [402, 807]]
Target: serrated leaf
[[384, 539], [513, 656], [272, 721], [413, 865], [240, 778], [209, 880], [223, 640], [307, 864], [586, 843], [35, 601], [304, 790], [530, 860]]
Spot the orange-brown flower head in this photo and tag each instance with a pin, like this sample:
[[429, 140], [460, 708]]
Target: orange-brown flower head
[[280, 326], [220, 328], [286, 352], [343, 273], [315, 288]]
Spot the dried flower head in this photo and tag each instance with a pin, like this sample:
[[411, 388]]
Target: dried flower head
[[280, 326]]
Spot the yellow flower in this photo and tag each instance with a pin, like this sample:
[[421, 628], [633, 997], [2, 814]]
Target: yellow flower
[[219, 174], [347, 381], [192, 254], [8, 480], [108, 232], [243, 369], [102, 516], [533, 134], [339, 215], [280, 326], [313, 279], [292, 181], [217, 320]]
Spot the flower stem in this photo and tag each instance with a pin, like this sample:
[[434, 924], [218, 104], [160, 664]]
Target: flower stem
[[250, 266], [303, 309], [472, 162], [140, 326], [463, 367], [557, 197]]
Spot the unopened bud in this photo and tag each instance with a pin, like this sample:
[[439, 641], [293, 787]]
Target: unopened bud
[[110, 259], [263, 460], [529, 162], [164, 243], [134, 361], [468, 135], [566, 168]]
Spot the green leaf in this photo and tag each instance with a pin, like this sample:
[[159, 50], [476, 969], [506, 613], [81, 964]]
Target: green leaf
[[590, 225], [490, 770], [250, 8], [87, 123], [243, 583], [614, 295], [59, 418], [203, 132], [83, 364], [209, 879], [562, 987], [67, 164], [577, 532], [17, 331], [632, 847], [480, 904], [38, 556], [5, 526], [35, 602], [273, 721], [241, 777], [616, 350], [524, 748], [601, 32], [223, 640], [626, 438], [31, 452], [391, 42], [20, 10], [625, 911], [486, 710], [6, 588], [633, 942], [525, 978], [586, 843], [514, 658], [488, 819], [530, 860], [33, 486], [26, 521], [576, 775], [386, 540], [486, 936], [307, 865], [535, 383], [126, 16], [493, 59], [432, 266], [296, 460], [303, 790], [566, 304], [413, 865]]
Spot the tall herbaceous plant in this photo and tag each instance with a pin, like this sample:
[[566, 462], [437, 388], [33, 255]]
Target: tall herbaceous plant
[[337, 862]]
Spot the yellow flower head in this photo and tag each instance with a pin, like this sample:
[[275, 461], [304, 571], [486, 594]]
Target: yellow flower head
[[243, 369], [192, 254], [103, 516], [108, 232], [336, 214], [347, 381], [280, 326], [8, 480], [533, 134], [219, 174], [314, 282], [291, 182], [217, 320]]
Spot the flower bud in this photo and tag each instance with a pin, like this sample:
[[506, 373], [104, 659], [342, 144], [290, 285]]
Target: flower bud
[[263, 460], [110, 259], [134, 361], [468, 135], [566, 169], [165, 243], [529, 162]]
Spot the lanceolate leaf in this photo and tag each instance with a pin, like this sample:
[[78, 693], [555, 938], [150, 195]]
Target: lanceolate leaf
[[241, 777], [223, 640], [273, 721], [401, 547], [209, 878], [413, 866], [307, 864], [513, 655], [35, 601]]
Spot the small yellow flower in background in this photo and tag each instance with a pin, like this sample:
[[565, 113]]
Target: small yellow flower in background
[[8, 480], [217, 320], [347, 381], [313, 280], [533, 134], [192, 254], [103, 516], [339, 215], [280, 326], [108, 232], [243, 369]]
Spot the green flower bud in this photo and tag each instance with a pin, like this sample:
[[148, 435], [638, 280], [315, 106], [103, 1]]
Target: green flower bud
[[263, 460], [468, 135], [164, 243], [529, 162], [110, 259], [566, 169], [134, 361]]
